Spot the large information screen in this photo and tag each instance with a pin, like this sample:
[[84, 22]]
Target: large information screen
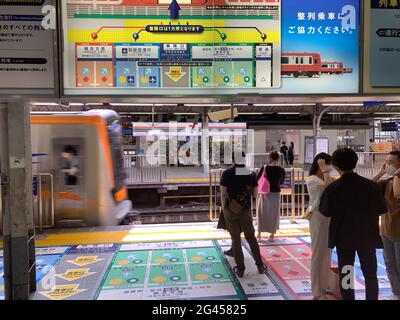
[[385, 43], [211, 47], [27, 47], [381, 47], [320, 47], [171, 46]]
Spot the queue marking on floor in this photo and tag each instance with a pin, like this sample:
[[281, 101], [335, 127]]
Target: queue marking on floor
[[75, 274], [84, 260], [61, 292]]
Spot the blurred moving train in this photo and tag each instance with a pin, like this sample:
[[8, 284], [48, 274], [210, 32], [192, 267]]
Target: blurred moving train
[[83, 154]]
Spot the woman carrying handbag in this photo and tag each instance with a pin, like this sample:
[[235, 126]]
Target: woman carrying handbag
[[270, 179]]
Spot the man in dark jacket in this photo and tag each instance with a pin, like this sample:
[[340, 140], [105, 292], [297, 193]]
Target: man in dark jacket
[[354, 204], [240, 184]]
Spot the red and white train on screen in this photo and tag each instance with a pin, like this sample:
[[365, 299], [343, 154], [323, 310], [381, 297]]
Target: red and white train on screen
[[310, 65]]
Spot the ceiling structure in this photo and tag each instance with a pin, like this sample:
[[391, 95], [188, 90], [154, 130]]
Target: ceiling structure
[[167, 108]]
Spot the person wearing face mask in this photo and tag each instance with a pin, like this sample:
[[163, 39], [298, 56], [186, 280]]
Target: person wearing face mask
[[354, 205], [321, 274], [390, 222]]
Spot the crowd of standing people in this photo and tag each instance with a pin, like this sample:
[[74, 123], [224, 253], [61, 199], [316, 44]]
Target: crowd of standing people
[[353, 214]]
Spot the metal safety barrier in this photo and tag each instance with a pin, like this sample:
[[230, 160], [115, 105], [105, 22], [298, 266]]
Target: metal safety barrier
[[45, 200], [257, 160], [144, 169], [293, 194], [369, 163]]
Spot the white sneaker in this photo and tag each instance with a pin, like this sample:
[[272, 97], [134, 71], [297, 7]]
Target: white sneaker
[[394, 297]]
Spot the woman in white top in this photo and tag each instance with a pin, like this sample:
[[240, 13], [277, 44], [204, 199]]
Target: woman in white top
[[319, 179]]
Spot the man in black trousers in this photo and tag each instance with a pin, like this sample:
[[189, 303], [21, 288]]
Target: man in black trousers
[[354, 204]]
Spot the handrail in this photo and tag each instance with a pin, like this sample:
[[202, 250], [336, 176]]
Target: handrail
[[144, 171], [293, 200], [40, 201]]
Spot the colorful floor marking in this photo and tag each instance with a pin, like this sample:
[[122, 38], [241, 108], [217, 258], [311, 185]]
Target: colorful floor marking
[[384, 284], [78, 273], [255, 285], [179, 269], [46, 259], [1, 275]]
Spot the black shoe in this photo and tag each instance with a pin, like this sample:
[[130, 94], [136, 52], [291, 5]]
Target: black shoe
[[239, 272], [262, 268], [229, 252]]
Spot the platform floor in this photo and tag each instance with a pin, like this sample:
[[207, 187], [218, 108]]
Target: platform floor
[[175, 261]]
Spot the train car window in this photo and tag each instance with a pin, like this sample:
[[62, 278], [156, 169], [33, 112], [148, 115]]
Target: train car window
[[285, 60], [297, 60], [324, 66], [115, 136], [316, 61], [310, 60]]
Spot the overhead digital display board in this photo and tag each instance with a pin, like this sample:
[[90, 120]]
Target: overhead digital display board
[[215, 47], [27, 47], [171, 46]]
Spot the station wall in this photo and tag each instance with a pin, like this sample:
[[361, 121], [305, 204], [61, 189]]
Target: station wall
[[265, 139]]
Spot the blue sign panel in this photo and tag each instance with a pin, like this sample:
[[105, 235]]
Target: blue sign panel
[[126, 73], [149, 77]]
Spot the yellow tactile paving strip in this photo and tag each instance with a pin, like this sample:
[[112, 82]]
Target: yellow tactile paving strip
[[145, 236]]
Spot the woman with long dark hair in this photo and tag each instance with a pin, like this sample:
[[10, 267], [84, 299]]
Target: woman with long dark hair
[[321, 273], [269, 200]]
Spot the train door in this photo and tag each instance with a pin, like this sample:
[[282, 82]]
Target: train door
[[69, 181]]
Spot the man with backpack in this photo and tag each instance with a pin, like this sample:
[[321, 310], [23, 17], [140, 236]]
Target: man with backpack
[[238, 187]]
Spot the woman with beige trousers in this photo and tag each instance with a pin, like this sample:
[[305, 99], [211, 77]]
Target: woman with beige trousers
[[322, 277]]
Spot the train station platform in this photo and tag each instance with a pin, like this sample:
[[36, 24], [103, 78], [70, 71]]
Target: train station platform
[[178, 176], [173, 261]]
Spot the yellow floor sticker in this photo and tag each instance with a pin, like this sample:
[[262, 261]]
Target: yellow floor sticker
[[75, 274], [85, 260], [61, 292]]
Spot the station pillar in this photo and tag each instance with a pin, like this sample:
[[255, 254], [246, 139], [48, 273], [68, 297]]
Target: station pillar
[[205, 142], [17, 206], [319, 111]]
